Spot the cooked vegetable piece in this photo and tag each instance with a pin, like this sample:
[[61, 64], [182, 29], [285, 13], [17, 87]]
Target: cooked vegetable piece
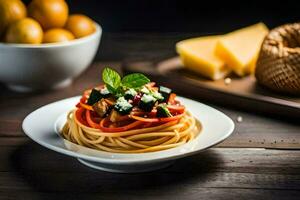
[[95, 96], [101, 107], [165, 92], [137, 99], [171, 99], [130, 94], [122, 106], [147, 102], [158, 96], [114, 116], [163, 111]]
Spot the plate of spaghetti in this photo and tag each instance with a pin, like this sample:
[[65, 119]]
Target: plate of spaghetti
[[127, 124]]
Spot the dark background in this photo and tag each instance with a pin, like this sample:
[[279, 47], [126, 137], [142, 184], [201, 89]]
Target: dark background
[[127, 24], [209, 16]]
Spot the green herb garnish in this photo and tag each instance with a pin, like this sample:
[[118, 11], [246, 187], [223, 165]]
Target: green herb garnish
[[135, 80], [118, 86], [112, 79]]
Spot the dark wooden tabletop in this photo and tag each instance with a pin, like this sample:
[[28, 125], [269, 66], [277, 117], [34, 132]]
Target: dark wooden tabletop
[[261, 160]]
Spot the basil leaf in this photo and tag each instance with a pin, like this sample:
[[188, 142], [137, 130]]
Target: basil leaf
[[111, 89], [112, 79], [135, 80]]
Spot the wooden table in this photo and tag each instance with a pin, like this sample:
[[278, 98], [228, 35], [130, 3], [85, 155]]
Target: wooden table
[[261, 160]]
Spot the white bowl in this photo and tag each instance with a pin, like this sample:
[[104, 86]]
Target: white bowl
[[43, 126], [25, 67]]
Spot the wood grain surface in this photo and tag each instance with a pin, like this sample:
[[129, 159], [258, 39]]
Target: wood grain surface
[[29, 171], [242, 93], [253, 131], [259, 161]]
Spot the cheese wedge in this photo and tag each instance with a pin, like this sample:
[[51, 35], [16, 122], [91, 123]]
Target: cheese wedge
[[198, 55], [239, 49]]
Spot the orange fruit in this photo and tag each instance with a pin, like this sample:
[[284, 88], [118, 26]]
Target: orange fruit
[[80, 25], [57, 35], [25, 30], [49, 13], [10, 11]]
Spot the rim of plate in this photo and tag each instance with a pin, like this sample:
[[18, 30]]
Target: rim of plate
[[151, 157]]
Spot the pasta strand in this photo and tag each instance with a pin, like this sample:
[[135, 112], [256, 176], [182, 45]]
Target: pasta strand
[[161, 137]]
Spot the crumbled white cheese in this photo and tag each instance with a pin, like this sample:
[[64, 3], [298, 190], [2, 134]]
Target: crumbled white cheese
[[145, 90], [123, 103], [157, 95], [104, 91], [131, 92], [147, 98]]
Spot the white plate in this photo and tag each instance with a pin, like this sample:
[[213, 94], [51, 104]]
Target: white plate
[[43, 125]]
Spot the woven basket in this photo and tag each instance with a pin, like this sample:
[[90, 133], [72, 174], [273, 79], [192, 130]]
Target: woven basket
[[278, 64]]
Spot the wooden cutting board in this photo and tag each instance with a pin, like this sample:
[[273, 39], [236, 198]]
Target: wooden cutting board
[[243, 93]]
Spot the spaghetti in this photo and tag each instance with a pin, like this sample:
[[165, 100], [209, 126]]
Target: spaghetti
[[130, 126]]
